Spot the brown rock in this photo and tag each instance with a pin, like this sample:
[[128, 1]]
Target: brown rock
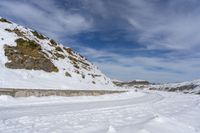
[[28, 55]]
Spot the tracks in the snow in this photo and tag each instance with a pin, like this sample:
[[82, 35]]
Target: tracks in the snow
[[55, 108]]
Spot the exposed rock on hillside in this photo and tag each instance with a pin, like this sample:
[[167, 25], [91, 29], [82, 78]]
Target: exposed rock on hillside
[[32, 59], [28, 55]]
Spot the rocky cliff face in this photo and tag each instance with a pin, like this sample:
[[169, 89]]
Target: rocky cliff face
[[28, 55], [33, 60]]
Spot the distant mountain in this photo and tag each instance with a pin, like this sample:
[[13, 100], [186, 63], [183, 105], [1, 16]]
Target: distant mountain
[[192, 87], [185, 87], [29, 59], [134, 83]]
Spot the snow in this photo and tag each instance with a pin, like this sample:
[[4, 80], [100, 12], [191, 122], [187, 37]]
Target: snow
[[132, 112], [196, 82], [38, 79], [196, 90]]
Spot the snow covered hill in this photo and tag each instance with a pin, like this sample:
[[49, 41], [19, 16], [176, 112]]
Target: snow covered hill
[[185, 87], [29, 59], [192, 87]]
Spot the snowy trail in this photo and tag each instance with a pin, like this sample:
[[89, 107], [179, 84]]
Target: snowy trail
[[45, 109], [146, 113]]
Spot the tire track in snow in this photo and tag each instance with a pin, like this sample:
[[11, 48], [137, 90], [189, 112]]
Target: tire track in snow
[[49, 109]]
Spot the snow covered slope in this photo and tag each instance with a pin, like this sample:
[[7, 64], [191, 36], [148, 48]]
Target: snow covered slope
[[29, 59], [185, 87]]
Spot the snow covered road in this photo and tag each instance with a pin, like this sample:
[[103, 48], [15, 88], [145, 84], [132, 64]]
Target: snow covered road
[[134, 112]]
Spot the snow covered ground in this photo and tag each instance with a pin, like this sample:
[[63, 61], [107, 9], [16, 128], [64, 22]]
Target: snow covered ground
[[132, 112]]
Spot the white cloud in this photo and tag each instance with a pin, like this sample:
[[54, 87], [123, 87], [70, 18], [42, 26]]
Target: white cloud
[[165, 27], [46, 17], [128, 68]]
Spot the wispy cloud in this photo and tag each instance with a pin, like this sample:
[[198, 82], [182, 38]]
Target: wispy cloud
[[157, 24], [46, 17], [172, 26], [155, 69]]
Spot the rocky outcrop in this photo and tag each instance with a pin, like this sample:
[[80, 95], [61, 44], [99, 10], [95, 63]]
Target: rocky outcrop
[[4, 20], [28, 55], [77, 60]]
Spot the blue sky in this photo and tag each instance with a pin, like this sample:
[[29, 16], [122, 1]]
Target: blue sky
[[155, 40]]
